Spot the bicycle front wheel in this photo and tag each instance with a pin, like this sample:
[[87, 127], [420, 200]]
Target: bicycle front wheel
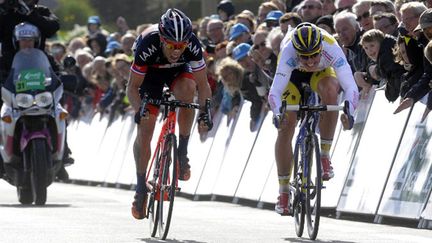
[[296, 194], [152, 207], [168, 185], [313, 187]]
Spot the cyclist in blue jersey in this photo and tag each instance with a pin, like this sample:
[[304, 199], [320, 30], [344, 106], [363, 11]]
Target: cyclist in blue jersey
[[166, 54]]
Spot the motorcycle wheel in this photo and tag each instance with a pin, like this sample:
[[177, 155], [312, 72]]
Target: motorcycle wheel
[[39, 155], [25, 195]]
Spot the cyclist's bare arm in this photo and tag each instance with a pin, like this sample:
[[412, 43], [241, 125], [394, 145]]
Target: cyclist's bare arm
[[203, 87], [132, 90]]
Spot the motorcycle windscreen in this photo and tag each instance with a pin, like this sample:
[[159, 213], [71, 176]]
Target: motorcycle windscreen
[[31, 71]]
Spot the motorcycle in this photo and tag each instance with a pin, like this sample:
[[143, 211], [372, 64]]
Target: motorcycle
[[33, 126]]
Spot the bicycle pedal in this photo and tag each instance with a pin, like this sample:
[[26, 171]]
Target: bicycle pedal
[[178, 189]]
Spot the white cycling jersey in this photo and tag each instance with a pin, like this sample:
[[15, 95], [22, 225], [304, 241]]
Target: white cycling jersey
[[332, 56]]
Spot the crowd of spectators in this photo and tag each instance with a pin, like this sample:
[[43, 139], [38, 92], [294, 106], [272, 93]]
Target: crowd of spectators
[[383, 40]]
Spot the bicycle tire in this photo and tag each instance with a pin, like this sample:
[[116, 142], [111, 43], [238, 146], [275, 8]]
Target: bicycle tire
[[314, 186], [297, 195], [168, 185], [152, 201]]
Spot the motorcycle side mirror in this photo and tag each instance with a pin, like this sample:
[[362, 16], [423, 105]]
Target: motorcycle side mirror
[[69, 82]]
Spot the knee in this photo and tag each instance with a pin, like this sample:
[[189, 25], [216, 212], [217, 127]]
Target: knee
[[185, 89], [328, 90]]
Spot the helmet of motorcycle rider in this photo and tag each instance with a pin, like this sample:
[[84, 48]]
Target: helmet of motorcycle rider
[[25, 31], [175, 26]]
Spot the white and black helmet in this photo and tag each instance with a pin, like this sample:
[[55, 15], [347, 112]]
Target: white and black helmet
[[26, 31], [174, 25]]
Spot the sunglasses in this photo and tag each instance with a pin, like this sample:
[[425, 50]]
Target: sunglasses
[[172, 45], [363, 16], [257, 46], [304, 57]]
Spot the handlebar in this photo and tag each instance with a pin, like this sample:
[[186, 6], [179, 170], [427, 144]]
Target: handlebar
[[171, 103], [284, 108]]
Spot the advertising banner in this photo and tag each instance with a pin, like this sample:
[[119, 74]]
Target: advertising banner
[[373, 158], [198, 151], [221, 142], [260, 162], [427, 212], [410, 180], [237, 154], [344, 147]]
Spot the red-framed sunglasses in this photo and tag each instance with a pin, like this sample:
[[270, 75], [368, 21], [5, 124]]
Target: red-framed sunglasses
[[172, 45]]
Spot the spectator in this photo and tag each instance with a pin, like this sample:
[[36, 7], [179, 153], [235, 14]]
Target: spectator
[[239, 33], [422, 87], [289, 19], [202, 30], [127, 42], [410, 14], [94, 27], [112, 48], [272, 19], [83, 58], [231, 75], [381, 6], [409, 54], [361, 9], [252, 89], [262, 54], [342, 5], [387, 23], [76, 44], [326, 23], [247, 20], [225, 10], [58, 52], [215, 31], [274, 39], [379, 48], [329, 7], [348, 30], [264, 9], [220, 50], [122, 26], [97, 44], [311, 10]]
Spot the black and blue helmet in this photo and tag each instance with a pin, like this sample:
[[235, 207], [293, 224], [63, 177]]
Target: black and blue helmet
[[174, 25]]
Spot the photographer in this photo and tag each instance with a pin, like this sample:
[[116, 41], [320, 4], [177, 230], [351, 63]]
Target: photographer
[[13, 12]]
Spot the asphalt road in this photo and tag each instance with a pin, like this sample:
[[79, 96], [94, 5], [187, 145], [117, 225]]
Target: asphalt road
[[96, 214]]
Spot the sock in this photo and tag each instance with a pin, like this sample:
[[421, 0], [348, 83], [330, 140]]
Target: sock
[[141, 184], [325, 147], [284, 183], [183, 144]]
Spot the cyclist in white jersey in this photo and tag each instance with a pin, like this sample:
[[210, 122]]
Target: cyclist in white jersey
[[309, 54]]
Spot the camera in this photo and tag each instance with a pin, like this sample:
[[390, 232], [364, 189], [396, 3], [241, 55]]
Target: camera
[[17, 5]]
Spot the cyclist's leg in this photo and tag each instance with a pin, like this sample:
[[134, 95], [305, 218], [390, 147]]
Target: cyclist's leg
[[326, 85], [141, 149], [184, 87], [283, 145]]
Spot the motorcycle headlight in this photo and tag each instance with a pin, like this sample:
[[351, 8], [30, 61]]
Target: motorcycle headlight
[[24, 100], [44, 99]]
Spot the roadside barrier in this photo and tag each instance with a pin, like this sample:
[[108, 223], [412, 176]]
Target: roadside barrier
[[382, 166]]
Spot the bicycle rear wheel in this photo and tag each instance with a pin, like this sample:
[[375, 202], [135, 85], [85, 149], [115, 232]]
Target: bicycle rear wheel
[[313, 188], [168, 185], [296, 195]]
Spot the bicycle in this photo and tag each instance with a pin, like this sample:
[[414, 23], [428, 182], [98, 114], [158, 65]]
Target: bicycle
[[164, 182], [306, 184]]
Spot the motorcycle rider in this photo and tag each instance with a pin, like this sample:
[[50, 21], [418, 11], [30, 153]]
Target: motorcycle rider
[[26, 35]]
